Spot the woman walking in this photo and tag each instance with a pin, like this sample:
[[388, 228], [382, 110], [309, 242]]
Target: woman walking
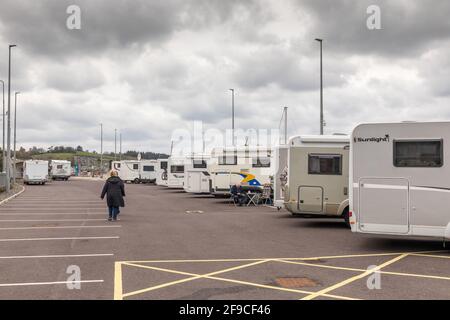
[[114, 189]]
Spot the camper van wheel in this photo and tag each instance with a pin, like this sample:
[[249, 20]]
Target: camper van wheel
[[346, 217], [136, 181]]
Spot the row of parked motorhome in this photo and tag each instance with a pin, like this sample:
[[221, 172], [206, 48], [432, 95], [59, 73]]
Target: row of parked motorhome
[[40, 171], [388, 179]]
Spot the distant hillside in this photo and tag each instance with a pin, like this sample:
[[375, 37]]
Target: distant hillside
[[70, 156]]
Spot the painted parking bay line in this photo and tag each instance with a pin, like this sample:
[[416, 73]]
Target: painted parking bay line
[[49, 220], [88, 255], [64, 238], [23, 284], [355, 278], [50, 214], [59, 227]]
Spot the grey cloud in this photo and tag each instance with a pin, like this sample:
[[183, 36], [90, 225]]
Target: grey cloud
[[408, 27], [287, 69], [40, 26]]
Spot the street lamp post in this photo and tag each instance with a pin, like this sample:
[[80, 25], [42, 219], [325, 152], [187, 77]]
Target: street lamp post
[[120, 146], [15, 136], [232, 114], [115, 144], [3, 129], [101, 149], [321, 88], [8, 155]]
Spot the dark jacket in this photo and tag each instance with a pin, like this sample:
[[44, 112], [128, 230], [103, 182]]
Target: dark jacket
[[114, 189], [235, 190]]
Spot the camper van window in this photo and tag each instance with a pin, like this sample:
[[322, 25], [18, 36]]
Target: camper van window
[[149, 168], [164, 165], [228, 160], [327, 164], [261, 162], [59, 166], [177, 169], [418, 153], [199, 164], [135, 166]]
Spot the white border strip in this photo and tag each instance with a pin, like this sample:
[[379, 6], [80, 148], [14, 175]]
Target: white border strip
[[65, 238], [61, 256], [47, 283], [58, 227], [50, 220]]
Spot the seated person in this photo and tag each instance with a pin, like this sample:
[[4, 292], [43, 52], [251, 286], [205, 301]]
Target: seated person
[[238, 194]]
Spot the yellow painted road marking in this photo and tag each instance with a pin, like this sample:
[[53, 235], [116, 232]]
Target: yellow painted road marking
[[118, 291], [187, 279], [195, 276], [430, 255], [305, 258], [363, 270], [320, 265], [352, 279]]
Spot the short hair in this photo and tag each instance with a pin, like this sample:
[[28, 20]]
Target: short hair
[[114, 173]]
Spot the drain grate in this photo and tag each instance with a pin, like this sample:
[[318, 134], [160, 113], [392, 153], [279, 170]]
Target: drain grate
[[292, 282], [195, 211]]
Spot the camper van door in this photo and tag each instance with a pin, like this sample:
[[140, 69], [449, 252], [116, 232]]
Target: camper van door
[[391, 213]]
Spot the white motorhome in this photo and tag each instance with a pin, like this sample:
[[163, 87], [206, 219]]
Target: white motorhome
[[147, 171], [35, 171], [197, 178], [399, 174], [249, 166], [136, 171], [279, 170], [161, 172], [175, 172], [60, 169], [128, 170], [317, 179]]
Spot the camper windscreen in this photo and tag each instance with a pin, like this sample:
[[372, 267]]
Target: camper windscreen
[[328, 164], [199, 164], [418, 153], [228, 160], [177, 169], [261, 162]]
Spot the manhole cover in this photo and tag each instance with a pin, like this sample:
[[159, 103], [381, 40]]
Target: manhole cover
[[292, 283], [195, 211]]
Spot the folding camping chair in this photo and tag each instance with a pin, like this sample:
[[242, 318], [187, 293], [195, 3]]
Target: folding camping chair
[[266, 196]]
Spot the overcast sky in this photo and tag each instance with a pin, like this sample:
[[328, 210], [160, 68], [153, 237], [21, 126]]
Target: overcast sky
[[147, 67]]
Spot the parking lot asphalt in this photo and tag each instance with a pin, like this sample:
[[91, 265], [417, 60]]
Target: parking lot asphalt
[[172, 245]]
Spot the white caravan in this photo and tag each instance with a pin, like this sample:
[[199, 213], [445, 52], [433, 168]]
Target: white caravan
[[197, 178], [175, 172], [161, 172], [147, 171], [317, 179], [35, 171], [399, 174], [136, 171], [279, 170], [249, 166], [60, 169], [128, 170]]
